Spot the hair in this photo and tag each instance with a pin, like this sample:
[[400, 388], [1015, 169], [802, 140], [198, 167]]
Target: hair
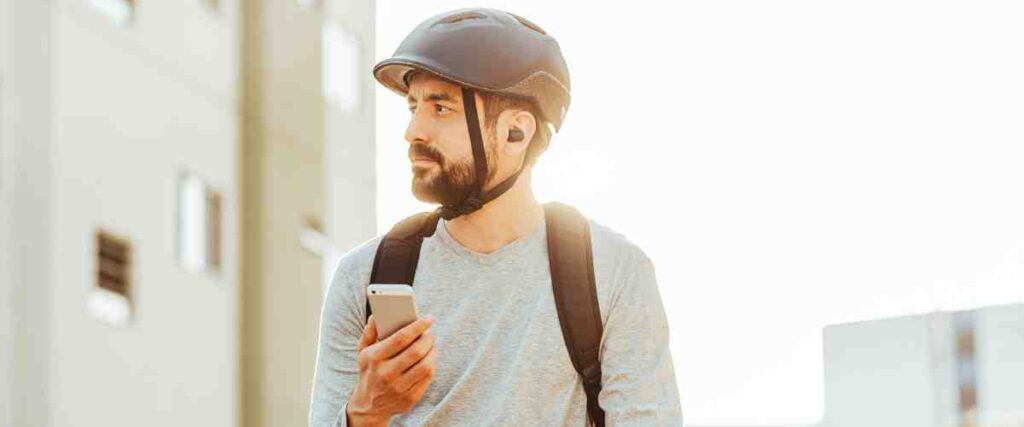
[[496, 103]]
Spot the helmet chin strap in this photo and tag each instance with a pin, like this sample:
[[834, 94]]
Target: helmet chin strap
[[477, 197]]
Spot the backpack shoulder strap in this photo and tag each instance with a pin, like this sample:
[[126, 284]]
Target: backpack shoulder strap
[[571, 259], [399, 251]]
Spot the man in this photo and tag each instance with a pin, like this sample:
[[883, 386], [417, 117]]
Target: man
[[488, 349]]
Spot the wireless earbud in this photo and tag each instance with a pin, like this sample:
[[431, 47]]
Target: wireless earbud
[[515, 135]]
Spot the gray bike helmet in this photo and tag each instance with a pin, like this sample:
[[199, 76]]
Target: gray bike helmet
[[484, 50]]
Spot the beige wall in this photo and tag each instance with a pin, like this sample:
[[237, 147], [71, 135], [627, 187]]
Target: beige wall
[[7, 305], [301, 158], [97, 122], [282, 131], [350, 139], [132, 108], [25, 212]]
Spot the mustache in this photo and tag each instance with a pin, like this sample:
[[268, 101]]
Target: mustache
[[419, 150]]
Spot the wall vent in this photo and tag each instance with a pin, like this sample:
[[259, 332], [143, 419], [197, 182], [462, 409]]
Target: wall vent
[[110, 300], [113, 258]]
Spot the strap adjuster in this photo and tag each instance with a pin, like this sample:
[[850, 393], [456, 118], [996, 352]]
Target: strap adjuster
[[467, 207], [592, 375]]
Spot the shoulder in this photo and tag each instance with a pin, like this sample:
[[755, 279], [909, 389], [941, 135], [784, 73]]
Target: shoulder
[[619, 266], [353, 269], [617, 259], [356, 265], [361, 256], [610, 245]]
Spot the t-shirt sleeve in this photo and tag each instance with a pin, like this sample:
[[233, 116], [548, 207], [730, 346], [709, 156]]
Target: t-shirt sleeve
[[337, 368], [638, 378]]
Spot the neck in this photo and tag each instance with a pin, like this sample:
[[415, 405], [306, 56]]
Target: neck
[[512, 215]]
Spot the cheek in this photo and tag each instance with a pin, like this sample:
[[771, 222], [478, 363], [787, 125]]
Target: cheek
[[453, 142]]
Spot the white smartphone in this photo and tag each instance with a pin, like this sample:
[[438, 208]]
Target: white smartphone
[[393, 307]]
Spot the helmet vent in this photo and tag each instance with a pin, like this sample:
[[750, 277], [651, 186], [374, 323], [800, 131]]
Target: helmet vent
[[462, 17], [527, 23]]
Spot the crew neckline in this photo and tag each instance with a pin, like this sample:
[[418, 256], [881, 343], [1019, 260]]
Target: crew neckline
[[503, 252]]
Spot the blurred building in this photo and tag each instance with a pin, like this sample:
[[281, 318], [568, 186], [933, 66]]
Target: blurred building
[[160, 161], [945, 369]]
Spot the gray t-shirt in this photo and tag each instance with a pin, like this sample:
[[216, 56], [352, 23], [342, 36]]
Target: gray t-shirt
[[501, 358]]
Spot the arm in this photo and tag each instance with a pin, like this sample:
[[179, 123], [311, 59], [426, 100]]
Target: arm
[[360, 381], [337, 371], [638, 379]]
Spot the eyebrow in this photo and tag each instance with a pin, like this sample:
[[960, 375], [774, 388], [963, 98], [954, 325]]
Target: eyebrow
[[433, 97]]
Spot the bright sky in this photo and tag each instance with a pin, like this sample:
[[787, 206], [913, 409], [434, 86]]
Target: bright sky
[[786, 164]]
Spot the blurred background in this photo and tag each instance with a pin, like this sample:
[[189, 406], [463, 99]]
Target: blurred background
[[831, 192]]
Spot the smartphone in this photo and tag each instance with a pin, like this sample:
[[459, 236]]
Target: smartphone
[[393, 306]]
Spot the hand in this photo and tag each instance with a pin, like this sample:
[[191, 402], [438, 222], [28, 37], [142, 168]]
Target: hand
[[393, 373]]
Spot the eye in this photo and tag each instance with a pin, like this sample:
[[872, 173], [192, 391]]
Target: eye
[[441, 108], [412, 108]]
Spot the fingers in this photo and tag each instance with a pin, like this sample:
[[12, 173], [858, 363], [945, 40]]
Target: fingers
[[412, 354], [423, 369], [415, 393], [369, 336], [398, 341]]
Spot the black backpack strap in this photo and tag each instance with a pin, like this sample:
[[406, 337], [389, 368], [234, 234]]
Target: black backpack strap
[[399, 251], [571, 258]]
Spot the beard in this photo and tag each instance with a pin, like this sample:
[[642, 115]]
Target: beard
[[448, 181]]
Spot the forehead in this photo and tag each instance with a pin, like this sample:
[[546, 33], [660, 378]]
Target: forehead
[[423, 84]]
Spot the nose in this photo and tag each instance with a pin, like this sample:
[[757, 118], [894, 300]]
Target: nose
[[417, 132]]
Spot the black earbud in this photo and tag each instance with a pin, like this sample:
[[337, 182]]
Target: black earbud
[[515, 135]]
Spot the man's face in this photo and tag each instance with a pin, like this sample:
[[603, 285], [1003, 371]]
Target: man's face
[[439, 144]]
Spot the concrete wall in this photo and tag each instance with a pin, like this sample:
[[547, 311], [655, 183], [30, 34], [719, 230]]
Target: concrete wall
[[25, 209], [7, 305], [1000, 362], [909, 371], [350, 139], [97, 121], [307, 165], [881, 372], [283, 131], [133, 107]]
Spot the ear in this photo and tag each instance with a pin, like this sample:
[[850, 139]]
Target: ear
[[522, 120]]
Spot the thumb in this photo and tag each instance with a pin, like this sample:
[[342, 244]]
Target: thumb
[[369, 334]]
